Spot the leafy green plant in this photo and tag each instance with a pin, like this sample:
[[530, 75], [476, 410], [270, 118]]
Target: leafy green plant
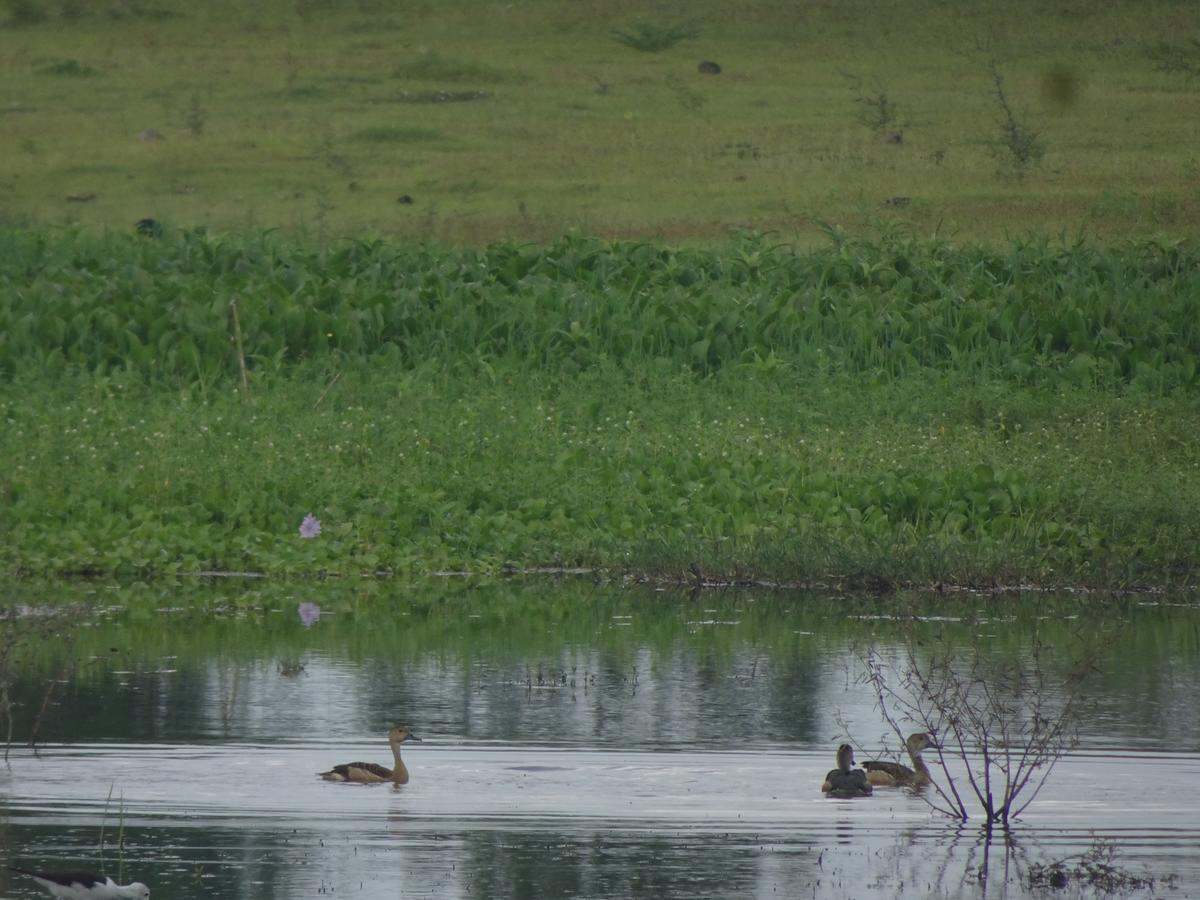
[[70, 68], [649, 37]]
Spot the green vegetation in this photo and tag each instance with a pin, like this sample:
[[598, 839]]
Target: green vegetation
[[877, 410], [237, 116], [895, 410], [649, 37]]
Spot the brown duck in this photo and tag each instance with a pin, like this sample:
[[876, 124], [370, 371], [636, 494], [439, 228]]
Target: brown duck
[[892, 774], [370, 773]]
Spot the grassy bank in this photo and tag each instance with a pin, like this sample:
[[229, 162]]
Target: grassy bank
[[895, 409], [474, 122]]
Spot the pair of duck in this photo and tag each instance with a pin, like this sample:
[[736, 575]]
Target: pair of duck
[[846, 782]]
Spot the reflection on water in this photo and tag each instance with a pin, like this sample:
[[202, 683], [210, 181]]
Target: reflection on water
[[579, 742]]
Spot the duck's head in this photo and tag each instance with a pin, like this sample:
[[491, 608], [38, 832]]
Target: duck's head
[[845, 757], [400, 733], [922, 740]]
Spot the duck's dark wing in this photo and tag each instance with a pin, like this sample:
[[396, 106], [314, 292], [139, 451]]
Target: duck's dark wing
[[65, 879], [847, 784], [889, 768], [373, 768]]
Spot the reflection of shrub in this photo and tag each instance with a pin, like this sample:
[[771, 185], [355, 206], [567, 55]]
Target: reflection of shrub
[[19, 631], [1094, 871], [650, 38]]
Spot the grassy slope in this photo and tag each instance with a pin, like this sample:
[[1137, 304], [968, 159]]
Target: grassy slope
[[285, 115]]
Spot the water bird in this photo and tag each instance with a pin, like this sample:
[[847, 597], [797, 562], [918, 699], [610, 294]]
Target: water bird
[[891, 774], [370, 773], [86, 886], [845, 782]]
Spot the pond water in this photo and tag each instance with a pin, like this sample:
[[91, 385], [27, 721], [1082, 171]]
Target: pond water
[[578, 741]]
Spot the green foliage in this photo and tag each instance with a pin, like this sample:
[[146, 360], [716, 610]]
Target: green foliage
[[649, 37], [905, 409], [1032, 313]]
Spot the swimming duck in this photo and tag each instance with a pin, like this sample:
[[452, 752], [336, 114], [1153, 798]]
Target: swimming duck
[[885, 773], [86, 886], [369, 773], [845, 782]]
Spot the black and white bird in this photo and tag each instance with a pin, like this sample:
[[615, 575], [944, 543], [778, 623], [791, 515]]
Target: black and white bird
[[86, 886]]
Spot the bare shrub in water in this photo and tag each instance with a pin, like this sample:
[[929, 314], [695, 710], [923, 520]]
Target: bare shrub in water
[[1002, 719]]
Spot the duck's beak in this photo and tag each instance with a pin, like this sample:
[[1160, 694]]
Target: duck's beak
[[413, 737]]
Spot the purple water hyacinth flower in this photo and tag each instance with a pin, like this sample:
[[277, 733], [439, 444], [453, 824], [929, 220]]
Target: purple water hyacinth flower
[[309, 614], [310, 527]]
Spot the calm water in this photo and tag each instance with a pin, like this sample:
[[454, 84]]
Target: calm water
[[578, 742]]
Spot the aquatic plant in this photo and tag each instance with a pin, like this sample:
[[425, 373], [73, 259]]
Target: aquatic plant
[[310, 527], [891, 411], [1029, 313]]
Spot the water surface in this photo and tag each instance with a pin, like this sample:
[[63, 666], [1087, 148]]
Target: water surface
[[578, 742]]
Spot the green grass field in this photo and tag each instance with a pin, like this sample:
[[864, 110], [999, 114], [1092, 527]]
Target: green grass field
[[522, 121]]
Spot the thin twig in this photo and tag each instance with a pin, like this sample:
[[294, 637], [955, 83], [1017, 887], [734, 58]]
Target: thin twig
[[237, 334], [327, 389]]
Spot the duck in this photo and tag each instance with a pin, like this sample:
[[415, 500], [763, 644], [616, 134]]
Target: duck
[[892, 774], [370, 773], [85, 886], [844, 782]]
